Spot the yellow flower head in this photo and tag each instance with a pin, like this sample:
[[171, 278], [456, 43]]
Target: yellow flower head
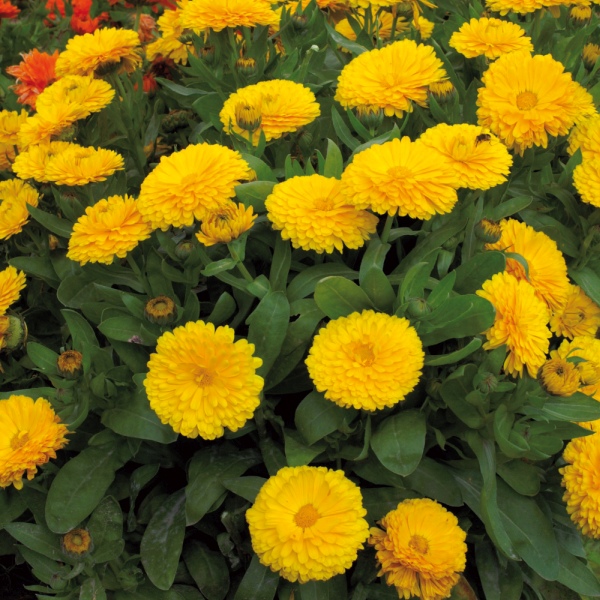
[[383, 25], [94, 53], [225, 225], [76, 542], [10, 123], [420, 549], [190, 184], [70, 363], [32, 163], [169, 45], [586, 137], [41, 128], [424, 27], [591, 53], [580, 15], [521, 6], [546, 267], [520, 324], [580, 316], [15, 195], [307, 523], [442, 90], [401, 177], [30, 435], [281, 107], [527, 98], [366, 360], [559, 377], [11, 284], [313, 213], [112, 227], [490, 38], [200, 381], [586, 178], [219, 14], [391, 78], [586, 351]]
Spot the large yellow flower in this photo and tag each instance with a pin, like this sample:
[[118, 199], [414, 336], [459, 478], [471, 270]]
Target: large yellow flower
[[200, 381], [366, 360], [10, 123], [586, 178], [15, 195], [41, 128], [169, 45], [580, 316], [32, 163], [219, 14], [520, 324], [11, 284], [307, 523], [93, 53], [559, 377], [191, 183], [225, 225], [110, 228], [420, 549], [479, 161], [587, 350], [390, 78], [526, 98], [522, 6], [401, 177], [313, 213], [586, 136], [30, 435], [274, 107]]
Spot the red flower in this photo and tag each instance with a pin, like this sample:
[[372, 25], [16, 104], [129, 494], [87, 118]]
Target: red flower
[[34, 73], [8, 11]]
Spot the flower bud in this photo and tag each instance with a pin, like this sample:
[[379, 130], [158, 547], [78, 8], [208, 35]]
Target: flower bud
[[207, 54], [247, 117], [590, 55], [405, 9], [370, 116], [160, 310], [488, 382], [246, 66], [184, 249], [299, 21], [418, 307], [13, 333], [77, 542], [488, 231], [186, 37], [52, 242], [580, 15], [176, 119], [443, 91], [69, 364]]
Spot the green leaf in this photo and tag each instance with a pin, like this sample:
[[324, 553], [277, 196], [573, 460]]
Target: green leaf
[[259, 583], [245, 487], [338, 297], [334, 163], [81, 331], [510, 207], [332, 589], [471, 275], [454, 357], [305, 282], [297, 452], [106, 524], [522, 477], [455, 389], [378, 501], [125, 328], [254, 194], [578, 407], [92, 589], [208, 569], [588, 281], [38, 538], [498, 583], [60, 227], [575, 575], [43, 358], [280, 266], [38, 266], [433, 479], [342, 131]]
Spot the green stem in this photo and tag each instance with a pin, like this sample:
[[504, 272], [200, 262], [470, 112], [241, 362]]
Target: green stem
[[138, 273], [242, 269], [385, 234]]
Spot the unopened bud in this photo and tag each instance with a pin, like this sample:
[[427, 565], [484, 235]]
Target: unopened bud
[[418, 307], [370, 116], [13, 333], [488, 231], [246, 66], [442, 91], [70, 364], [160, 310], [247, 117]]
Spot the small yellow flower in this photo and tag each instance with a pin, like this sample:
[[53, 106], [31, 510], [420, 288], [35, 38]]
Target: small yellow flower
[[77, 542], [591, 53], [15, 196], [11, 284], [586, 137], [488, 231], [170, 45], [219, 14], [580, 316], [424, 27], [442, 90], [226, 225], [161, 310], [559, 377], [69, 363], [586, 351]]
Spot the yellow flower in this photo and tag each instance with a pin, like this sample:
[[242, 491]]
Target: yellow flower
[[281, 106], [522, 6], [10, 123], [526, 98], [479, 161], [169, 45], [546, 267], [11, 284], [442, 90], [225, 225], [161, 310], [31, 433], [382, 27], [366, 360], [490, 38], [42, 128], [32, 163], [424, 27], [586, 137], [390, 78], [15, 195], [219, 14], [314, 214], [190, 184], [401, 177], [420, 549], [587, 349], [520, 324], [76, 542], [559, 377], [488, 231], [200, 381], [104, 49], [112, 227], [586, 178], [69, 363], [580, 316], [580, 15], [591, 53], [307, 523]]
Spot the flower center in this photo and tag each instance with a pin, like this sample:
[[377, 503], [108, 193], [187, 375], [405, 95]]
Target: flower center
[[203, 378], [419, 544], [76, 540], [19, 440], [307, 516], [399, 172], [323, 204], [526, 100], [364, 354]]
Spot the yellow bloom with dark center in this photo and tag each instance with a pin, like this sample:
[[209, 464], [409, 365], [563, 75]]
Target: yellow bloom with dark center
[[32, 163], [200, 381], [112, 227], [420, 549], [490, 38], [520, 323], [160, 310], [546, 267], [366, 360], [559, 377], [106, 47], [314, 214], [522, 6], [170, 44], [30, 435], [10, 123], [190, 184], [15, 195], [580, 316], [219, 14], [401, 177], [307, 523], [11, 284], [586, 352], [76, 542], [69, 363], [226, 225], [586, 178], [527, 98], [591, 53], [278, 106], [392, 77], [479, 161]]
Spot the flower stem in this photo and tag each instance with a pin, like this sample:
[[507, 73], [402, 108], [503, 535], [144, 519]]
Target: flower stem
[[385, 234]]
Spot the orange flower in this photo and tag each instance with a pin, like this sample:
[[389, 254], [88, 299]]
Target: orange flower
[[146, 27], [8, 11], [54, 6], [81, 21], [34, 73]]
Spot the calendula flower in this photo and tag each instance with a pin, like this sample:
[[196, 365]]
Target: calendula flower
[[15, 195], [546, 267], [559, 377], [190, 184], [585, 350], [520, 323], [307, 523], [580, 316], [8, 10], [527, 98], [32, 163], [170, 44], [96, 52], [201, 381], [161, 310], [400, 177], [112, 227], [43, 129], [76, 542], [70, 363], [391, 78], [522, 6], [586, 137], [420, 548], [10, 124], [479, 160], [34, 73], [219, 14], [30, 435], [280, 106], [580, 15], [591, 53], [490, 38], [586, 178], [424, 27], [11, 284], [382, 27], [366, 360], [226, 225]]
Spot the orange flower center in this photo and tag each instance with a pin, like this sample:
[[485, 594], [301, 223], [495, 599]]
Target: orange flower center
[[323, 204], [203, 378], [400, 172], [419, 544], [19, 440], [364, 354], [307, 516], [526, 100]]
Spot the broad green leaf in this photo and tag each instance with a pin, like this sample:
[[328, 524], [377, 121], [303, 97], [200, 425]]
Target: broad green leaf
[[454, 391], [334, 163], [454, 357], [471, 275], [433, 480], [254, 194], [522, 477], [43, 358], [38, 266], [297, 452], [575, 575], [209, 570], [60, 227], [498, 583], [280, 266], [588, 281], [106, 524], [37, 538], [510, 207], [245, 487], [81, 331], [258, 583], [306, 281], [92, 589], [378, 501], [338, 297], [332, 589], [578, 407], [125, 328]]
